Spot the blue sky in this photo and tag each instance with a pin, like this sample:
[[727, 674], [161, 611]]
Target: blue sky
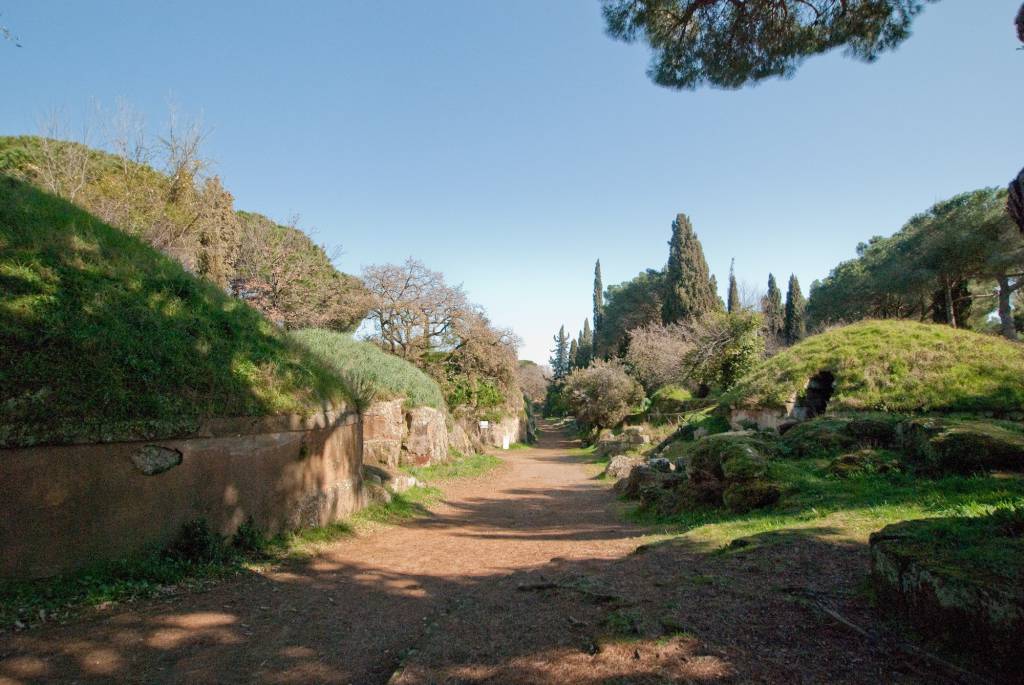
[[510, 144]]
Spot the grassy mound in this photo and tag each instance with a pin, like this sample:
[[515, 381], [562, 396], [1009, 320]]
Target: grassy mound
[[104, 338], [895, 366], [370, 372]]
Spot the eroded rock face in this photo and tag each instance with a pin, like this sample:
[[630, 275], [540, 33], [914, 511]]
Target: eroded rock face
[[426, 441], [384, 430], [154, 459], [958, 581]]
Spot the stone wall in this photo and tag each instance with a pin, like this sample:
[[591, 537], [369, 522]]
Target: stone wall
[[62, 507], [394, 436], [509, 427]]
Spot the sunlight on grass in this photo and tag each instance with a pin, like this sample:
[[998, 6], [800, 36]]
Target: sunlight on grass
[[460, 467]]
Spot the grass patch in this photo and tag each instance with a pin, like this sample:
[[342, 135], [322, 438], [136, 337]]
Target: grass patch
[[104, 338], [460, 467], [371, 373], [848, 508], [894, 366]]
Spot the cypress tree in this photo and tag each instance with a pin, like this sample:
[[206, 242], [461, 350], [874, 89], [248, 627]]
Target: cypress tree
[[734, 292], [689, 291], [774, 316], [586, 353], [574, 353], [796, 326], [598, 300], [560, 355], [713, 284]]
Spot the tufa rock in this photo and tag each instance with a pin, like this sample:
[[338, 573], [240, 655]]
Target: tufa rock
[[621, 466], [154, 459]]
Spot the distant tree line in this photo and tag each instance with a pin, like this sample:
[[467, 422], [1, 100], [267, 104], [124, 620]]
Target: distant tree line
[[956, 263], [670, 327]]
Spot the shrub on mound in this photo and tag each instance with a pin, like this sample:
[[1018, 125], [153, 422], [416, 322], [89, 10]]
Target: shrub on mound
[[960, 580], [370, 372], [104, 338], [893, 366]]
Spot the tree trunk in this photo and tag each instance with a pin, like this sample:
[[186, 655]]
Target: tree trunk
[[1007, 328]]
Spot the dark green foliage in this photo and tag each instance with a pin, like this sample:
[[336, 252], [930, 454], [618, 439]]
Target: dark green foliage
[[560, 362], [574, 353], [774, 313], [598, 299], [249, 538], [196, 544], [104, 338], [923, 271], [585, 345], [733, 43], [688, 290], [726, 348], [795, 327], [630, 305], [734, 304]]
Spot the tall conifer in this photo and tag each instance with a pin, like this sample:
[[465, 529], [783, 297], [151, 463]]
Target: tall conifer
[[586, 351], [734, 291], [598, 298], [688, 286], [560, 355], [796, 324], [574, 351], [774, 315]]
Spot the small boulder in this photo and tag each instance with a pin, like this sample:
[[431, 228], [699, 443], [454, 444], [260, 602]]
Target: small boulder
[[744, 496], [644, 476], [863, 462], [152, 460], [621, 466], [660, 464]]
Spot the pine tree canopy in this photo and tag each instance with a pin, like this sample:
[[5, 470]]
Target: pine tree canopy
[[598, 297], [733, 43]]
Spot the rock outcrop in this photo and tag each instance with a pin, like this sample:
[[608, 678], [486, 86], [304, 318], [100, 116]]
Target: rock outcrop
[[393, 435]]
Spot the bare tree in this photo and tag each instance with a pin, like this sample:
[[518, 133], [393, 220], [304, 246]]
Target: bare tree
[[657, 354], [64, 162], [412, 308]]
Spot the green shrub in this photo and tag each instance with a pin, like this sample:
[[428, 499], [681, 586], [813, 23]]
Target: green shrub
[[196, 544], [602, 395], [371, 372]]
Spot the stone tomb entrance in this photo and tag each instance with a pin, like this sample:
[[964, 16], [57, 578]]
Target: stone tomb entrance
[[816, 396]]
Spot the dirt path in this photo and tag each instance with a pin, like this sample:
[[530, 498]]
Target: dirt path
[[524, 575]]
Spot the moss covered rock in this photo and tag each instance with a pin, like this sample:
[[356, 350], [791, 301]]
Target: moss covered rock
[[958, 580], [864, 462], [743, 496], [961, 446], [822, 437]]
